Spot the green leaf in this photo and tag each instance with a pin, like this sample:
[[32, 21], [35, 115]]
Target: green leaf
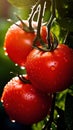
[[22, 3], [66, 23], [64, 8], [69, 112]]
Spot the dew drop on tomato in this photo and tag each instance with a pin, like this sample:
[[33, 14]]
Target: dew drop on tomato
[[65, 59], [52, 68]]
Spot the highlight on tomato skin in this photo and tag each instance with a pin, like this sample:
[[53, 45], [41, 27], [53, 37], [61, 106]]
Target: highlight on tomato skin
[[51, 71], [25, 104]]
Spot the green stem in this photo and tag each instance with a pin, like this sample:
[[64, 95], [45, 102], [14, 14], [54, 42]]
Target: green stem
[[48, 125], [33, 12], [40, 19], [66, 36], [53, 15], [24, 80], [40, 16], [24, 26]]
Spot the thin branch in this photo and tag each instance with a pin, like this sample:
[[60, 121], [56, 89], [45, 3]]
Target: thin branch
[[48, 125], [40, 19], [33, 12], [66, 36], [53, 15], [40, 16]]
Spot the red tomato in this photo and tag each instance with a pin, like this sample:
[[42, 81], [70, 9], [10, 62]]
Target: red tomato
[[51, 71], [23, 103], [18, 43], [72, 67]]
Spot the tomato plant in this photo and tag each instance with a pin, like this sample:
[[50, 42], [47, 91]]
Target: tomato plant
[[51, 71], [49, 67], [24, 103]]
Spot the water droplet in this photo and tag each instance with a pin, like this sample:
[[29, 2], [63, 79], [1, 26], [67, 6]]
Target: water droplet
[[52, 65], [16, 64], [13, 121], [4, 48], [52, 68], [6, 54], [58, 115], [6, 104], [52, 95], [22, 67], [66, 60], [47, 118], [1, 100], [16, 78]]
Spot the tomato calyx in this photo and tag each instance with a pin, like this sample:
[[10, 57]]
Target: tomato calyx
[[24, 79], [41, 10], [51, 46], [24, 26]]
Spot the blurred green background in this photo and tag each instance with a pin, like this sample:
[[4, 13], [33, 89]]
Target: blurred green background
[[6, 65]]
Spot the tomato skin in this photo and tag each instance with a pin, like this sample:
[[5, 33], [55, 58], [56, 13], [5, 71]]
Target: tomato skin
[[24, 103], [18, 43], [51, 71], [72, 67], [44, 33]]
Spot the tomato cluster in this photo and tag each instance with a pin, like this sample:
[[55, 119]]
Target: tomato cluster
[[28, 99]]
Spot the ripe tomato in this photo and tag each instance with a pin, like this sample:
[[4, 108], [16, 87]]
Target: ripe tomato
[[24, 103], [18, 43], [51, 71]]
